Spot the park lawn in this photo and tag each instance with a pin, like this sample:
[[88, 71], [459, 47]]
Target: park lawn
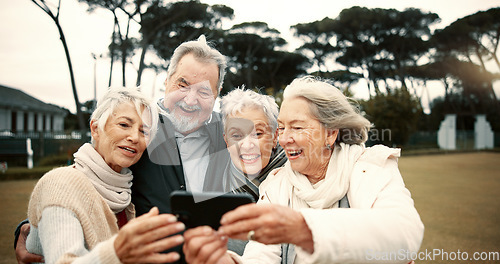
[[14, 196], [458, 198], [456, 195]]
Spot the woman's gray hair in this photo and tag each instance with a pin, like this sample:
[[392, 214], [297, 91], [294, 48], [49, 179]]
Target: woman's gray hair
[[202, 52], [239, 99], [107, 104], [332, 108]]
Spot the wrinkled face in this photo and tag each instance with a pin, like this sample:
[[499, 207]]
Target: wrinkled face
[[124, 137], [250, 140], [303, 137], [190, 93]]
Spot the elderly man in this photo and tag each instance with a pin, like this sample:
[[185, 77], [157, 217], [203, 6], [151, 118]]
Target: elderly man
[[188, 152]]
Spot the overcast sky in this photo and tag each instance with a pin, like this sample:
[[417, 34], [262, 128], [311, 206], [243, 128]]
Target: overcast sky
[[32, 58]]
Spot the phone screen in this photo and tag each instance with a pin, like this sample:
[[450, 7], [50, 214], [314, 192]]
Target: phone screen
[[197, 209]]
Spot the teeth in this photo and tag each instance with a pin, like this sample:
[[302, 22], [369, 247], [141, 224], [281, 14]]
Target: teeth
[[189, 109], [294, 152], [128, 149], [249, 157]]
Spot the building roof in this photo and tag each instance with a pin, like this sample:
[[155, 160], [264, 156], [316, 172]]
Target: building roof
[[18, 100]]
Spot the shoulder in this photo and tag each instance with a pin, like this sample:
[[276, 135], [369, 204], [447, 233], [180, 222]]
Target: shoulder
[[374, 159], [273, 178], [276, 188], [379, 154], [375, 170], [65, 187], [64, 178]]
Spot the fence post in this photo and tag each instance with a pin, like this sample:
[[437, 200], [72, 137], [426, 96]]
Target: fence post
[[29, 150]]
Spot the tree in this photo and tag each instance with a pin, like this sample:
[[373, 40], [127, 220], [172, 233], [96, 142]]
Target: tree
[[378, 47], [122, 44], [55, 17], [397, 111], [474, 38], [257, 58], [317, 36], [162, 26]]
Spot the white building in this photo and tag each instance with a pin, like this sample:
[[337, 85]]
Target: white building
[[20, 112]]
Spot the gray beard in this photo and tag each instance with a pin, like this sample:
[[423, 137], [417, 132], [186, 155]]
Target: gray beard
[[182, 125]]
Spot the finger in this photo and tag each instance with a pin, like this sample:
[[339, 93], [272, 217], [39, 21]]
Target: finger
[[136, 240], [219, 252], [240, 213], [157, 258], [31, 258], [161, 232], [240, 229], [199, 249], [195, 239], [158, 246], [25, 230], [22, 255], [198, 231], [145, 224], [209, 247], [153, 211]]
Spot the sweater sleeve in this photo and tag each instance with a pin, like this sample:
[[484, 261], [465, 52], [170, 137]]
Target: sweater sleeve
[[386, 230], [62, 240]]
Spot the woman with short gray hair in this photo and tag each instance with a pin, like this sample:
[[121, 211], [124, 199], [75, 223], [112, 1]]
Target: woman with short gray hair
[[250, 131]]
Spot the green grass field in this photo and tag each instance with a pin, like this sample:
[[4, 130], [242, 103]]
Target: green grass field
[[457, 196]]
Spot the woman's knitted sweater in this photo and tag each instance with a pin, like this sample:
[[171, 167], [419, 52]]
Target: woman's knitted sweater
[[66, 196]]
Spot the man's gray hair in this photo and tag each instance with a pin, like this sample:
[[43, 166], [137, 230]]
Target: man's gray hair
[[239, 99], [203, 52], [331, 107], [107, 104]]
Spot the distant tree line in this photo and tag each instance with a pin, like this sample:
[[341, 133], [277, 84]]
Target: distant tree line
[[394, 52]]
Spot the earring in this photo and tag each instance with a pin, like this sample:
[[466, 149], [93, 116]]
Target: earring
[[328, 146]]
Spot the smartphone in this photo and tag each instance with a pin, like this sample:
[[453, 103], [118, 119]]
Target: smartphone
[[198, 209]]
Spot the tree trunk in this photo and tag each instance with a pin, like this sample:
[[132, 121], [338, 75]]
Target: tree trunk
[[141, 63], [55, 18], [79, 113]]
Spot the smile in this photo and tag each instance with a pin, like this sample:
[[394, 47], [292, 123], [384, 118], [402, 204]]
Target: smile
[[131, 150], [188, 109], [294, 153], [249, 158]]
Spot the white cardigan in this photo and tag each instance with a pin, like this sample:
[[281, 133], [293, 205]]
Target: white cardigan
[[381, 224]]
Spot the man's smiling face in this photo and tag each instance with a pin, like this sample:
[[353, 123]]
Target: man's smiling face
[[190, 93]]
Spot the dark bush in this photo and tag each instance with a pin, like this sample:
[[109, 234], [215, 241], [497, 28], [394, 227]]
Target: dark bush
[[55, 160]]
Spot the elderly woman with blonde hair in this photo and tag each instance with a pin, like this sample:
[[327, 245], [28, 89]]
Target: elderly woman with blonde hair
[[334, 201], [83, 213]]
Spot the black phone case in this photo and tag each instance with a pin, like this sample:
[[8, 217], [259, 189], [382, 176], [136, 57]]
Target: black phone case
[[201, 209]]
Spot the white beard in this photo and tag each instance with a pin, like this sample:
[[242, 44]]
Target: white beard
[[182, 124]]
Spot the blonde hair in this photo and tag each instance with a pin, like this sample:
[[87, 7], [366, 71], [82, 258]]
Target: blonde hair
[[107, 104]]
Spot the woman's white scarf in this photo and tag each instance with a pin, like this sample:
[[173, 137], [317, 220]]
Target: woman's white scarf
[[327, 192], [114, 187]]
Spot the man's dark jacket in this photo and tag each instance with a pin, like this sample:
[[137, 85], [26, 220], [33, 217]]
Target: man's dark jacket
[[159, 171]]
